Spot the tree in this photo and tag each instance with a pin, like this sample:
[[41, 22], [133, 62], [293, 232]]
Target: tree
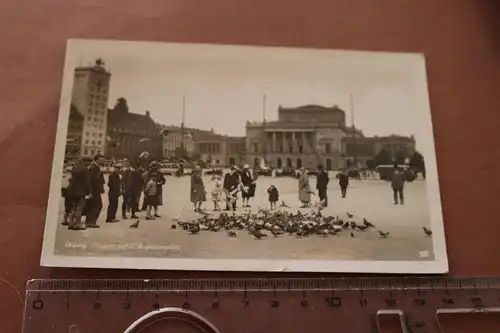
[[121, 105], [196, 156], [399, 159], [180, 152], [382, 158], [417, 162], [370, 164]]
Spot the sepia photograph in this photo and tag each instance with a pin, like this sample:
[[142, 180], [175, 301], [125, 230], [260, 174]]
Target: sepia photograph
[[244, 158]]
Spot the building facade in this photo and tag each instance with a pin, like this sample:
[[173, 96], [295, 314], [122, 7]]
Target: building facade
[[90, 97], [301, 137], [173, 138], [219, 150], [130, 134], [74, 134]]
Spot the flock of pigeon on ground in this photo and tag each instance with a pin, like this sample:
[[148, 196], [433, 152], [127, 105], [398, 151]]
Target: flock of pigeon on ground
[[265, 223]]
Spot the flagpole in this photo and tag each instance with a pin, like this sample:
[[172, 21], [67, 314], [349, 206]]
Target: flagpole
[[351, 99], [264, 128]]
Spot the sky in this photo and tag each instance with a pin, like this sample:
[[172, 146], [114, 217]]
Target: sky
[[223, 86]]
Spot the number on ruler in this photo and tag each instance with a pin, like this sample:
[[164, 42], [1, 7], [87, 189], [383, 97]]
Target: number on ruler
[[97, 305], [186, 305], [246, 303], [448, 301], [126, 306], [363, 302], [419, 301], [215, 304], [156, 306], [275, 304], [334, 301], [476, 301], [304, 303], [38, 304], [391, 302]]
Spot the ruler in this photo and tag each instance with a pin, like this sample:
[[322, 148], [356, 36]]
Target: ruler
[[252, 305]]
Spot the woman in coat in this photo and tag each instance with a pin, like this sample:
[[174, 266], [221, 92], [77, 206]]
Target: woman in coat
[[198, 194], [304, 188]]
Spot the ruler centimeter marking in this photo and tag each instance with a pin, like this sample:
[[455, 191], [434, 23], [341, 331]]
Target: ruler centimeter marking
[[206, 303]]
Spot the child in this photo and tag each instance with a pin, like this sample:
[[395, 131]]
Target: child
[[151, 197], [217, 192], [274, 196]]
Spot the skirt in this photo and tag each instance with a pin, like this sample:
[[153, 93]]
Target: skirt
[[151, 200], [250, 193]]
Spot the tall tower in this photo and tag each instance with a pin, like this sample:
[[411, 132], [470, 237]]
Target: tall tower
[[90, 96]]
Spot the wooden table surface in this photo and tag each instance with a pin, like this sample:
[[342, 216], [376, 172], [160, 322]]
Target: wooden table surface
[[461, 40]]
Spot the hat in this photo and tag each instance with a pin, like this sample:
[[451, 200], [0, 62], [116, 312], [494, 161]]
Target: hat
[[246, 166]]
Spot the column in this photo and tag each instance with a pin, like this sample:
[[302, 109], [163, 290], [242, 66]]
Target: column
[[294, 143], [304, 143], [284, 143], [273, 148]]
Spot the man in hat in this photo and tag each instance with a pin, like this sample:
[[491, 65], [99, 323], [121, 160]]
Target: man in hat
[[94, 203], [397, 184], [322, 180]]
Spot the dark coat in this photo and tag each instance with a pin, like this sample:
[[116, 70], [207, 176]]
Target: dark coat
[[96, 179], [343, 180], [274, 195], [114, 185], [246, 178], [322, 180], [231, 181], [80, 182]]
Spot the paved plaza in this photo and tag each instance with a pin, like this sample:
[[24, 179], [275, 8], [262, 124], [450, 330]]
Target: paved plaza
[[370, 199]]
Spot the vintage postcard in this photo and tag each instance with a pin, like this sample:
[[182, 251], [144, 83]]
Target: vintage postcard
[[240, 158]]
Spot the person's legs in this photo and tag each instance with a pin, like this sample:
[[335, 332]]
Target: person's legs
[[76, 222], [401, 196], [125, 203], [395, 194]]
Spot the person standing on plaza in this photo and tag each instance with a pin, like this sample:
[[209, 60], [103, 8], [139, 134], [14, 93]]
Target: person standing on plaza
[[126, 189], [217, 192], [230, 184], [160, 181], [249, 184], [198, 194], [137, 186], [97, 189], [304, 188], [78, 191], [151, 197], [322, 180], [343, 182], [114, 192], [397, 184]]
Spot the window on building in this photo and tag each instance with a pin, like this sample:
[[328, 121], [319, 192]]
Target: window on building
[[93, 142], [301, 149], [99, 142], [255, 148], [92, 152], [86, 142], [86, 152], [87, 134], [100, 135], [328, 148]]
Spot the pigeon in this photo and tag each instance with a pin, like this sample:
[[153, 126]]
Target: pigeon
[[135, 225], [362, 227], [349, 215], [383, 234], [368, 224], [346, 225], [284, 205], [231, 234], [353, 225], [352, 234], [194, 229], [427, 231], [174, 226], [258, 234]]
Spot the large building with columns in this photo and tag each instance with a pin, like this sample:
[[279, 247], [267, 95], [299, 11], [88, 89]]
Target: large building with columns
[[303, 136]]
